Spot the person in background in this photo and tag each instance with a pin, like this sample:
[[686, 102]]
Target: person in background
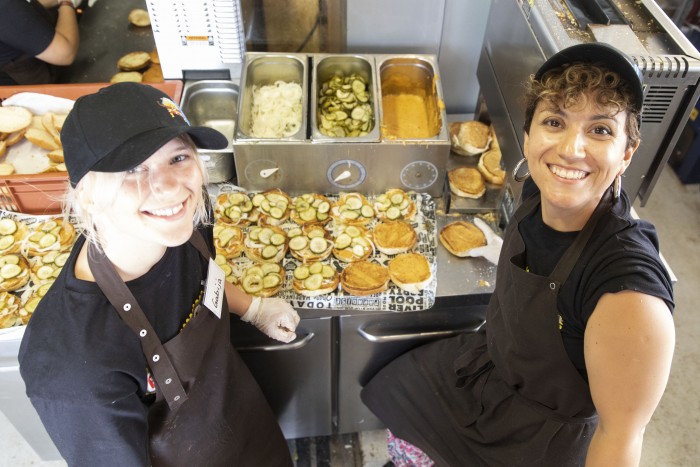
[[35, 36], [579, 337], [128, 358]]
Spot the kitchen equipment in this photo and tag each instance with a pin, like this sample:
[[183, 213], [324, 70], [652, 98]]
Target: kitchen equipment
[[213, 103], [371, 163], [521, 34], [198, 40]]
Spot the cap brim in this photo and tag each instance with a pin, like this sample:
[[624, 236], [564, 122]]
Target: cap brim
[[139, 148], [605, 54]]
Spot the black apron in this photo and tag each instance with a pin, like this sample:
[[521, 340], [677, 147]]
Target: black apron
[[512, 397], [209, 410]]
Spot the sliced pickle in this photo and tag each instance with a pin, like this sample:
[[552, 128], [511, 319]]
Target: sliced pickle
[[301, 272], [9, 271], [269, 252], [271, 280], [6, 242], [36, 237], [324, 207], [350, 214], [313, 282], [237, 198], [361, 241], [48, 226], [41, 291], [396, 198], [367, 211], [252, 284], [353, 231], [317, 232], [358, 250], [258, 199], [404, 204], [265, 235], [327, 271], [321, 216], [225, 236], [353, 202], [47, 240], [44, 272], [343, 241], [298, 243], [276, 212], [220, 260], [226, 268], [318, 245], [393, 213], [308, 215], [294, 232], [50, 257], [269, 268], [315, 268], [9, 259], [277, 239], [301, 205], [255, 271], [254, 233], [7, 226], [247, 205]]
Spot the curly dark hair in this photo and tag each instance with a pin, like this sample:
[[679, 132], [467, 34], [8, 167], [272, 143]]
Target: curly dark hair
[[563, 87]]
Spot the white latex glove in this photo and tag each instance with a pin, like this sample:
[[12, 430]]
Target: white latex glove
[[273, 316], [492, 250], [91, 3]]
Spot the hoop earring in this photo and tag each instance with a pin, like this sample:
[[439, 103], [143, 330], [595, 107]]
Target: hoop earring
[[617, 187], [517, 177]]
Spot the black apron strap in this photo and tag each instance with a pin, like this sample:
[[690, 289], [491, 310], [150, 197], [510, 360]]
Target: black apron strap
[[571, 256], [131, 313]]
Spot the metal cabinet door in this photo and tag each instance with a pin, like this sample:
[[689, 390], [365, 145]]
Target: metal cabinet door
[[295, 377], [369, 342]]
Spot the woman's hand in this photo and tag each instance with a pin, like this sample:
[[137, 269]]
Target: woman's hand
[[492, 250], [273, 316]]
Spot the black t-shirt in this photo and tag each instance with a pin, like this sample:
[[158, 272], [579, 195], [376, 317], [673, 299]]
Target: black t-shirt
[[622, 254], [25, 28], [84, 368]]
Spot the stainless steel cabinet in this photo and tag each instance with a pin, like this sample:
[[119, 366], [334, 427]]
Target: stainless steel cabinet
[[368, 342], [295, 377]]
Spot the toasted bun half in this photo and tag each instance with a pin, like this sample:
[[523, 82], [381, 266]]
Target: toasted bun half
[[228, 240], [134, 61], [352, 243], [410, 271], [460, 237], [466, 182], [490, 167], [353, 209], [364, 278], [263, 280], [266, 244], [315, 279], [469, 138], [395, 204], [13, 118], [126, 76], [394, 237]]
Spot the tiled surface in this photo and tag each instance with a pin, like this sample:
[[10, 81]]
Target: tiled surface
[[671, 438]]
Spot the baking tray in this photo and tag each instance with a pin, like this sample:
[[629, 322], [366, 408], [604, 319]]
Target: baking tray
[[393, 299]]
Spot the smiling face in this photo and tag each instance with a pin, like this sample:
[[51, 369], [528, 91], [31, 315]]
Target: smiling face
[[156, 202], [574, 153]]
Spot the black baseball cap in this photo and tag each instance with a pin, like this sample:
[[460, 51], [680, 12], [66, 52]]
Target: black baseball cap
[[605, 54], [122, 125]]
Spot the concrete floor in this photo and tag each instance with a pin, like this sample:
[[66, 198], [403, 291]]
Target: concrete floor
[[672, 436]]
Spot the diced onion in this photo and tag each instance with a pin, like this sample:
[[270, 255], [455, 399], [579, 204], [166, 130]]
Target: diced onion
[[276, 110]]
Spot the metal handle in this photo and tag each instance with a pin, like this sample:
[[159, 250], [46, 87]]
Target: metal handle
[[294, 345], [417, 335]]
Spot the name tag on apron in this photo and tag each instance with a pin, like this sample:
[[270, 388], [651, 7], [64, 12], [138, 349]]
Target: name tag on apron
[[214, 289]]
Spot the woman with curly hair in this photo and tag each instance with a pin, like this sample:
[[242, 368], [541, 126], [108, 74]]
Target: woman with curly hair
[[579, 337]]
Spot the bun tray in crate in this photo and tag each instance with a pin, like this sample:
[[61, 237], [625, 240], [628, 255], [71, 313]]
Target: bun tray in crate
[[42, 193]]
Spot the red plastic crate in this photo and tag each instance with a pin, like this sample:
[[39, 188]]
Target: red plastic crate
[[43, 193]]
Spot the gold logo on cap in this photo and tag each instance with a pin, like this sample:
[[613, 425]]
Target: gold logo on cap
[[171, 107]]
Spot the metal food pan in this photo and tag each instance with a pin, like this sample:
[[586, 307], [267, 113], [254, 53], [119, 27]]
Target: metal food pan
[[410, 99], [214, 104], [325, 68], [262, 69]]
